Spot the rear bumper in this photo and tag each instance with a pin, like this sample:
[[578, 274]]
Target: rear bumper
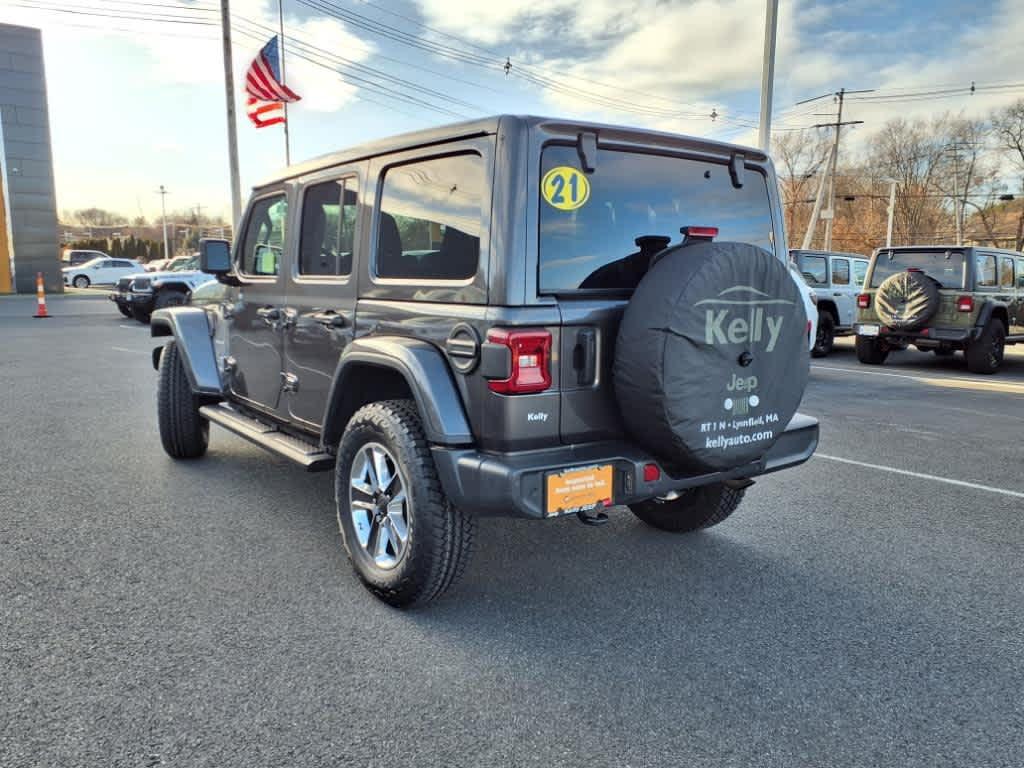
[[512, 484], [925, 337]]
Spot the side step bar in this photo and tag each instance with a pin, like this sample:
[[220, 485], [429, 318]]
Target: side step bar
[[308, 454]]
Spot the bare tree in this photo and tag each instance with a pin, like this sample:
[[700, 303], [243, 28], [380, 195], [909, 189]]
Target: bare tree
[[1008, 129], [799, 156]]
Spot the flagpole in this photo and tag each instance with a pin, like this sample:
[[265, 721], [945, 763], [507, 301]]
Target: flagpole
[[287, 146], [229, 92]]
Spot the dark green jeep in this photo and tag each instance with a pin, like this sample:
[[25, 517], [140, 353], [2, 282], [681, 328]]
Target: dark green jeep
[[942, 298]]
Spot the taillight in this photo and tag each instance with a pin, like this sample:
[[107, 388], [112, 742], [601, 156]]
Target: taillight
[[652, 473], [529, 369], [863, 300], [699, 233], [965, 304]]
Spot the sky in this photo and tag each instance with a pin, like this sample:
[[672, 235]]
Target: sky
[[136, 89]]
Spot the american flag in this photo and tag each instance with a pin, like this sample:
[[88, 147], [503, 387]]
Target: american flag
[[263, 79], [264, 113]]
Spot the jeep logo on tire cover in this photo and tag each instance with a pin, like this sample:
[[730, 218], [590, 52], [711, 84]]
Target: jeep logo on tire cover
[[743, 320]]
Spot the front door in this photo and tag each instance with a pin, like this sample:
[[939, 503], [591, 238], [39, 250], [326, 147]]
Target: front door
[[257, 317], [321, 294], [843, 292]]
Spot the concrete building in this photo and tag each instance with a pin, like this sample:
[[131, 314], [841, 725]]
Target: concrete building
[[28, 206]]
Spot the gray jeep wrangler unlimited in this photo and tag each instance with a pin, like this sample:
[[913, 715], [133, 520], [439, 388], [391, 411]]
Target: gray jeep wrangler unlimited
[[514, 316]]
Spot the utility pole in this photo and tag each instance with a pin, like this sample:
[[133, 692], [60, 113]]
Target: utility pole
[[892, 211], [229, 94], [163, 213], [829, 213], [812, 223], [768, 73], [287, 143], [956, 193]]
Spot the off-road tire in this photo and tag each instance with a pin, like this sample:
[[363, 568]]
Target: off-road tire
[[183, 432], [826, 334], [81, 281], [140, 315], [124, 310], [985, 354], [696, 508], [440, 537], [170, 298], [871, 351]]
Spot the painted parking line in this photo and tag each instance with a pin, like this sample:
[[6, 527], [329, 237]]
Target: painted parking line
[[923, 476], [129, 351], [950, 382]]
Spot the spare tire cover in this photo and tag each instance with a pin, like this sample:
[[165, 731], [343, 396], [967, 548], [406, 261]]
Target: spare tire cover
[[907, 300], [711, 359]]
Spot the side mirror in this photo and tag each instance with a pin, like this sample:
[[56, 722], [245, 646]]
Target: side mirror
[[215, 256]]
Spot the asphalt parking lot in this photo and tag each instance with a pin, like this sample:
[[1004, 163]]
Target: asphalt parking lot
[[866, 609]]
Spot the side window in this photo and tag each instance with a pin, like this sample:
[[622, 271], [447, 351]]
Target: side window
[[122, 264], [430, 219], [1020, 273], [106, 264], [1006, 272], [328, 225], [840, 272], [984, 271], [860, 271], [264, 237], [814, 269]]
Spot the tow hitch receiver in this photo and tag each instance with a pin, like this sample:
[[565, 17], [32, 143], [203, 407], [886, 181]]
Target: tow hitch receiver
[[595, 520]]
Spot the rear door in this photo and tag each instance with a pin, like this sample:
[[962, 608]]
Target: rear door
[[254, 338], [1019, 282], [598, 232], [321, 294], [843, 292]]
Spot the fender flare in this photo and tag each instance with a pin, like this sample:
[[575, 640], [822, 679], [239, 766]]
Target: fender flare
[[425, 371], [987, 309], [190, 328]]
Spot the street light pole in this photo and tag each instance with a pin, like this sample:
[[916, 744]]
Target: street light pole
[[229, 95], [163, 213], [768, 73]]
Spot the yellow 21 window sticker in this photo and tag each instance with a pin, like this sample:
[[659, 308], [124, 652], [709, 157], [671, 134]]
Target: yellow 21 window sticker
[[565, 188]]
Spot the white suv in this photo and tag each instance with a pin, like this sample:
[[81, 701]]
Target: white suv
[[836, 279], [99, 271]]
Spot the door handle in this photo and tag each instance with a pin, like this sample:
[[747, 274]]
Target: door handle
[[837, 294], [269, 314], [330, 318]]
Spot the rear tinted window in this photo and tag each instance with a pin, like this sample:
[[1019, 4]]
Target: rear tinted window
[[945, 267], [590, 223], [814, 269], [431, 214], [860, 271]]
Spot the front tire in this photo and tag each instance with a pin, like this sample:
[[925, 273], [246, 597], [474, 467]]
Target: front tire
[[81, 281], [405, 540], [826, 334], [871, 351], [140, 315], [696, 508], [184, 433], [985, 354], [124, 310]]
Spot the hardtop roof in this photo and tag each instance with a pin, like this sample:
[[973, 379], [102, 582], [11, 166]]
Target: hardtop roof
[[964, 248], [488, 126]]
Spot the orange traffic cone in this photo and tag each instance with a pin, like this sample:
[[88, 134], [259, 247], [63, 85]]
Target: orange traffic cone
[[40, 297]]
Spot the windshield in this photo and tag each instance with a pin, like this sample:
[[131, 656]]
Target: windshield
[[944, 267], [590, 224]]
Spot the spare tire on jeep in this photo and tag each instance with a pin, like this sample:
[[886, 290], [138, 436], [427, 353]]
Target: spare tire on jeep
[[907, 300], [711, 359]]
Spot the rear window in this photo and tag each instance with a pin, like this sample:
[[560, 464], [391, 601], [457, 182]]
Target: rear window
[[945, 267], [590, 224]]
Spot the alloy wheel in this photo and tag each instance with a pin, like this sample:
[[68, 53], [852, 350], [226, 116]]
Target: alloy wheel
[[379, 505]]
